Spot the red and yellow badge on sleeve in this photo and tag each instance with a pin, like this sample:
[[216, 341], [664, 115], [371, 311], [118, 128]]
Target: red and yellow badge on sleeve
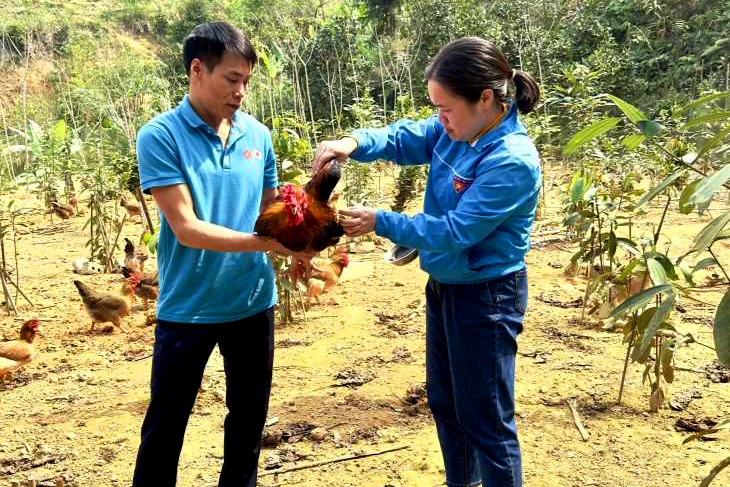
[[460, 184]]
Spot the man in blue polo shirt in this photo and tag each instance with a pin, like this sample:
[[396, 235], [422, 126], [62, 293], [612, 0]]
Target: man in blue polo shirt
[[210, 168]]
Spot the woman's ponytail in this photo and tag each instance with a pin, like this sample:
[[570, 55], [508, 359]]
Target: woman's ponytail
[[527, 91]]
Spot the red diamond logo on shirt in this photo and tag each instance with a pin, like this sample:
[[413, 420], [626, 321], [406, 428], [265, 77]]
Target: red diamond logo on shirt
[[247, 154], [257, 154]]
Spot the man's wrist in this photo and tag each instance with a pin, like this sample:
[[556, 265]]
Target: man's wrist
[[251, 242]]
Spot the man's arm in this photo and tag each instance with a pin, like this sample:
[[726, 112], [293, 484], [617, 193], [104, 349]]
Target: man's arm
[[177, 204]]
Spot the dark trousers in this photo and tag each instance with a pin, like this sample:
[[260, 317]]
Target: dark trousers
[[471, 342], [181, 352]]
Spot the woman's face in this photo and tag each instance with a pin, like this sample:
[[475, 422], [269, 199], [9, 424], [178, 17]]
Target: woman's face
[[462, 119]]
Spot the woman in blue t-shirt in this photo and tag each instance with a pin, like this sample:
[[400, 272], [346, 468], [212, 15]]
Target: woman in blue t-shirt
[[472, 236]]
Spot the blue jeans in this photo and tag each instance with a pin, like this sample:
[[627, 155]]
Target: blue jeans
[[180, 354], [471, 342]]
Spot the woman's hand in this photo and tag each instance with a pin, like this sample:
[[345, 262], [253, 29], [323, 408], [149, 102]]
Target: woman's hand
[[358, 221], [333, 149]]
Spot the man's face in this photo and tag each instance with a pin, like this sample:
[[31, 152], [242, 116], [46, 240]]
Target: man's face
[[461, 119], [222, 89]]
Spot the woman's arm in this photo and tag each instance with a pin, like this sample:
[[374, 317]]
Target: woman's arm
[[404, 142], [494, 196]]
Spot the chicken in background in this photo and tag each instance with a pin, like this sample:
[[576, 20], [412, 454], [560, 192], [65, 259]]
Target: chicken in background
[[104, 308], [133, 209], [325, 276], [134, 258], [73, 202], [62, 211], [82, 265], [152, 279], [128, 289], [301, 218], [150, 318], [145, 287], [16, 353]]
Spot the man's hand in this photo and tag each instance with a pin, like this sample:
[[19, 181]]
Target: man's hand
[[358, 221], [278, 248], [333, 149]]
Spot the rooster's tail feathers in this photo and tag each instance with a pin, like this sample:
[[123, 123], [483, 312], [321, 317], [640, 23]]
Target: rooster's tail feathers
[[129, 246]]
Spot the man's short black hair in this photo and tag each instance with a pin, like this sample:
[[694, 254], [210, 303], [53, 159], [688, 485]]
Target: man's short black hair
[[207, 42]]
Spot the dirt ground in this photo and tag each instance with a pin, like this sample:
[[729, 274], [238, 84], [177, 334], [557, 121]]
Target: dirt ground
[[76, 411]]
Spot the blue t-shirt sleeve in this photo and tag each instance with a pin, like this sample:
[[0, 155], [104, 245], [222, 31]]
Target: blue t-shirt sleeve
[[489, 201], [271, 179], [158, 158], [404, 142]]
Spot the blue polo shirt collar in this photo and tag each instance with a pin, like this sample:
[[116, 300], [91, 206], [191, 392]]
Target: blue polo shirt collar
[[189, 114], [193, 119]]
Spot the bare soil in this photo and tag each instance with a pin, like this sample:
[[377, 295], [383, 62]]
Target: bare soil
[[346, 381]]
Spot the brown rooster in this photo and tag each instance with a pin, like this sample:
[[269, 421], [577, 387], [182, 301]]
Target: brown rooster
[[62, 211], [134, 258], [326, 276], [17, 353], [301, 218], [146, 287], [103, 308]]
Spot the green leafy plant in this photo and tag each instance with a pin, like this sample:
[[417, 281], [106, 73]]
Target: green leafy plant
[[649, 325], [102, 182], [292, 153], [357, 188]]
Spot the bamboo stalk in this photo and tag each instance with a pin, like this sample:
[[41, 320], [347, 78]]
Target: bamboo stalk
[[146, 211], [17, 288], [107, 250], [9, 304], [119, 232], [301, 304], [91, 225], [626, 363], [15, 254]]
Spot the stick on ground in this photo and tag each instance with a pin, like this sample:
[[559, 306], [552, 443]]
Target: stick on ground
[[334, 460], [576, 418]]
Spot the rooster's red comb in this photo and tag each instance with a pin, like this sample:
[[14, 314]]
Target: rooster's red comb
[[295, 200]]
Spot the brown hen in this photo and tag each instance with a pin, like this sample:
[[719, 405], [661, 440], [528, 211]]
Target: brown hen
[[103, 308], [16, 353], [325, 276]]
